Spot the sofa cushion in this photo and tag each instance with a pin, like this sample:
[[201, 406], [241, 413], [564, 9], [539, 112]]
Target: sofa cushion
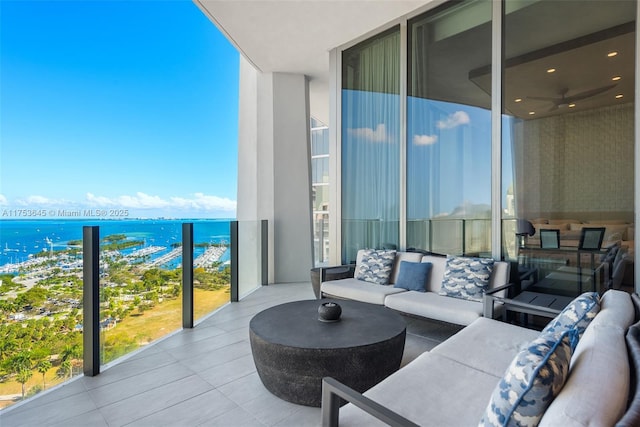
[[431, 391], [494, 345], [631, 417], [616, 309], [466, 277], [595, 393], [375, 266], [413, 275], [358, 290], [438, 307], [403, 256], [576, 315], [534, 377]]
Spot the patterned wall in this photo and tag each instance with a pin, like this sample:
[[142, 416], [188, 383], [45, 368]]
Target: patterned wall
[[576, 163]]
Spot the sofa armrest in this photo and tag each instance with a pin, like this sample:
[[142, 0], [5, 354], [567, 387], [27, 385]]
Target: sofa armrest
[[333, 391], [337, 272], [490, 298], [507, 287]]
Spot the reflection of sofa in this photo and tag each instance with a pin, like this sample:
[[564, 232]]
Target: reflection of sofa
[[618, 238], [453, 384], [426, 302]]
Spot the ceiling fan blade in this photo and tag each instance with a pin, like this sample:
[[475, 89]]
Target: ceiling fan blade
[[544, 98], [588, 93]]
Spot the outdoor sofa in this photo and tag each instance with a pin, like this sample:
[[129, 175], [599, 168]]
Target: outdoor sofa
[[449, 289], [494, 373]]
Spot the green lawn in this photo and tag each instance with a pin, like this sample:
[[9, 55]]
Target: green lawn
[[137, 330]]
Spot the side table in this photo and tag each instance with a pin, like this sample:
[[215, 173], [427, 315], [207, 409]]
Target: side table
[[527, 302]]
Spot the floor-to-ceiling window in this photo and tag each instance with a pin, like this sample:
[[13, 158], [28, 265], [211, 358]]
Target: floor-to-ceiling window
[[567, 148], [449, 130], [568, 120], [371, 144], [320, 191]]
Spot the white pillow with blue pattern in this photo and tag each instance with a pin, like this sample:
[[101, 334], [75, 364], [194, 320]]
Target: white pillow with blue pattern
[[375, 266], [576, 315], [534, 378], [466, 277]]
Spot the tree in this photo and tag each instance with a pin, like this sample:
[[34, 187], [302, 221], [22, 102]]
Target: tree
[[71, 353], [64, 369], [43, 367], [20, 362], [23, 376]]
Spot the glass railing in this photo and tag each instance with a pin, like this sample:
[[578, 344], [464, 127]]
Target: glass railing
[[211, 266], [251, 238], [139, 287], [40, 306], [140, 284]]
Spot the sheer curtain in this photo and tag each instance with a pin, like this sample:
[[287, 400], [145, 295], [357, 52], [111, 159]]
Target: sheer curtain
[[371, 144]]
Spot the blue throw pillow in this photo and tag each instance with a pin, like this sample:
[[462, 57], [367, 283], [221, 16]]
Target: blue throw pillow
[[375, 266], [466, 277], [534, 378], [577, 315], [413, 276]]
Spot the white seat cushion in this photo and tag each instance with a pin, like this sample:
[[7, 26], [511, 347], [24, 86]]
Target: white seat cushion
[[494, 345], [434, 306], [430, 391], [359, 290]]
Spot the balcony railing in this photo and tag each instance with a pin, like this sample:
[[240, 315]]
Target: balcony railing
[[123, 291]]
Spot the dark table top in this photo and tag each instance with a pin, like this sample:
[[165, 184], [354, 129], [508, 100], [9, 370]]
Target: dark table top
[[296, 324]]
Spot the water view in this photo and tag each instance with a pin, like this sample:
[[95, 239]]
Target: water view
[[140, 287]]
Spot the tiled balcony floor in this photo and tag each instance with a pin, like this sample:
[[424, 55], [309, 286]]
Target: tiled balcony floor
[[203, 376]]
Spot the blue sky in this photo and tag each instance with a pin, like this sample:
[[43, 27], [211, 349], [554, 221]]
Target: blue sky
[[124, 105]]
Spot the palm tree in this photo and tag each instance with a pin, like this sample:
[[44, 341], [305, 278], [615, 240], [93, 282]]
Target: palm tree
[[23, 376], [43, 366], [64, 369], [70, 354]]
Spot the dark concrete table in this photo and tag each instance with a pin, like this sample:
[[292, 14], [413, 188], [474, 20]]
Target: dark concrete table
[[293, 350]]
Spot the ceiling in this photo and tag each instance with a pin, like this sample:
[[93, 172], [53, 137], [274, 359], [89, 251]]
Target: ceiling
[[569, 36], [295, 36]]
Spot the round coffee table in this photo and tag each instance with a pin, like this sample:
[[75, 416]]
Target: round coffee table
[[293, 350]]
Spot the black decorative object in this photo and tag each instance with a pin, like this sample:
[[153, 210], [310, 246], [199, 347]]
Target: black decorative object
[[329, 312]]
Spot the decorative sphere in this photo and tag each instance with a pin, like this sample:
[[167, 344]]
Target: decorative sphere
[[329, 312]]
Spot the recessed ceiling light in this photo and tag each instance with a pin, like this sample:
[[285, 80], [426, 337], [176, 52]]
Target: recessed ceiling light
[[618, 96], [518, 100], [616, 78], [531, 113], [612, 54], [572, 105], [551, 70]]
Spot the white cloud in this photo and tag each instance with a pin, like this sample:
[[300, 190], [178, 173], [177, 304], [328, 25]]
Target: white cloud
[[198, 201], [425, 139], [454, 120], [3, 200], [377, 135], [205, 202], [36, 200]]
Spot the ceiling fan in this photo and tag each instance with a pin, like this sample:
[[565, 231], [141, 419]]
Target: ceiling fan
[[565, 100]]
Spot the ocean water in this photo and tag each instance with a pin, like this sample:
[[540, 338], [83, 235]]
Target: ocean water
[[21, 238]]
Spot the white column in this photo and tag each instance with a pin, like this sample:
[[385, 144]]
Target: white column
[[274, 180]]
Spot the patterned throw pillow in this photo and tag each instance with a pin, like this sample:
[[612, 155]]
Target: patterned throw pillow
[[533, 379], [375, 266], [577, 315], [466, 278]]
